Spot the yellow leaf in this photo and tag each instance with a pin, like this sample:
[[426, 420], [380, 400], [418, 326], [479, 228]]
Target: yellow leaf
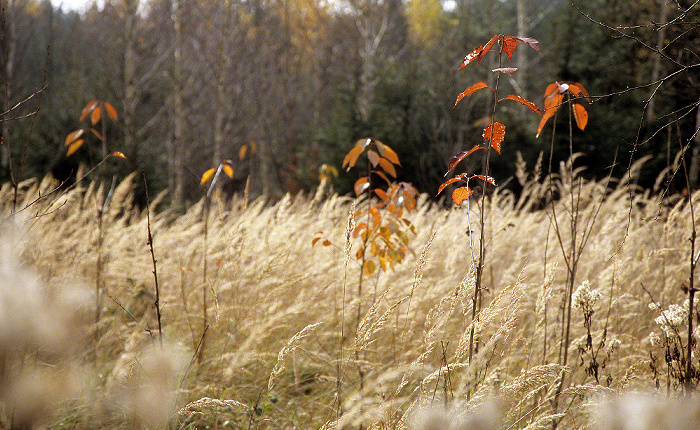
[[369, 267], [73, 136], [387, 166], [111, 112], [206, 175], [74, 147], [228, 170], [242, 152], [351, 157]]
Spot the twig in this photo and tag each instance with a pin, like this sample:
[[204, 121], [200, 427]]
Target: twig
[[156, 303]]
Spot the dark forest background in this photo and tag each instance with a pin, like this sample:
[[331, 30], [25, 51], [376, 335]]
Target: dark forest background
[[297, 82]]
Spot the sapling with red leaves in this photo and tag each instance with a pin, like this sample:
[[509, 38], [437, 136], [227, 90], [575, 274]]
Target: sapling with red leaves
[[493, 136]]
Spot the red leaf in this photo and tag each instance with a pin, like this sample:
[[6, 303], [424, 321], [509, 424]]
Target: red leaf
[[461, 156], [499, 133], [352, 156], [508, 45], [523, 101], [472, 56], [580, 115], [530, 41], [469, 90], [461, 194], [510, 71]]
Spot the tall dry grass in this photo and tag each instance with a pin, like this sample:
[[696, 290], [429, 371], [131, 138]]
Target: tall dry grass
[[273, 356]]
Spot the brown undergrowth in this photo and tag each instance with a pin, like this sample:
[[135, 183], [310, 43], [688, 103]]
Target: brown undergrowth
[[272, 351]]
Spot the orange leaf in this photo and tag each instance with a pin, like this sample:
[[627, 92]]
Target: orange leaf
[[87, 109], [326, 242], [499, 133], [577, 89], [388, 153], [118, 154], [387, 166], [468, 91], [381, 194], [358, 228], [547, 114], [74, 147], [352, 156], [450, 181], [96, 133], [383, 176], [96, 115], [508, 45], [472, 56], [206, 175], [461, 194], [111, 112], [373, 158], [228, 170], [361, 185], [242, 152], [73, 136], [580, 115], [459, 157], [510, 71], [314, 240], [485, 178], [523, 101], [488, 46]]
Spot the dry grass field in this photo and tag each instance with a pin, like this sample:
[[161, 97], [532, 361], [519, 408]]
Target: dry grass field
[[283, 347]]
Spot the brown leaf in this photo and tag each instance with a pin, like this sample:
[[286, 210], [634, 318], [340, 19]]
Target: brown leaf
[[459, 157], [470, 90], [510, 71], [534, 44], [373, 157], [461, 194]]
